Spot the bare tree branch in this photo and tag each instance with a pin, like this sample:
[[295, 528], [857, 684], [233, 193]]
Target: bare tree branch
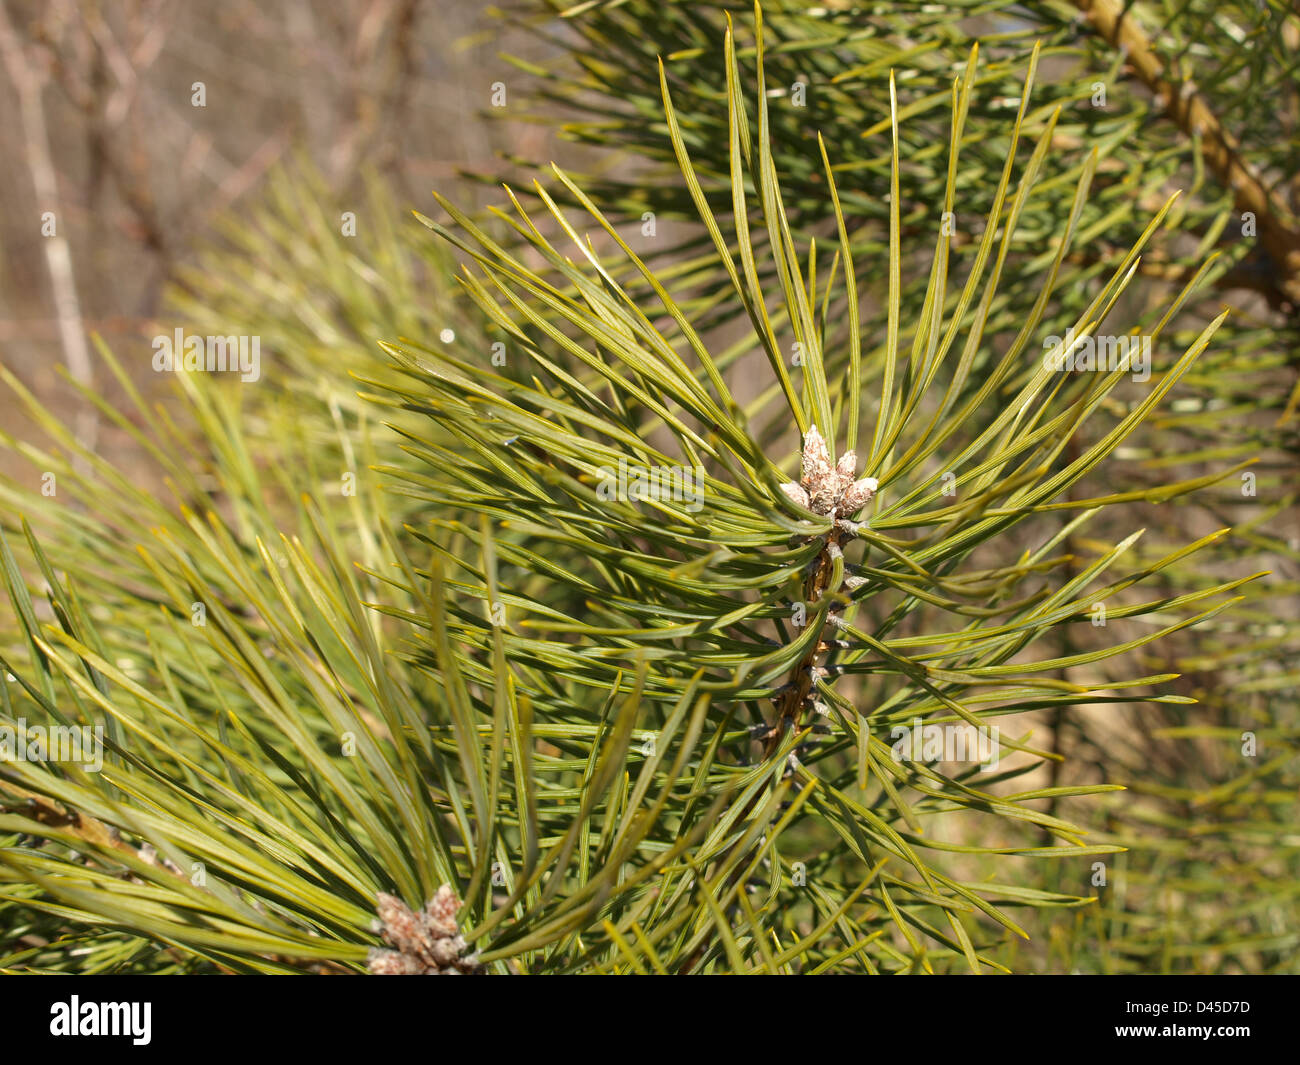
[[58, 257]]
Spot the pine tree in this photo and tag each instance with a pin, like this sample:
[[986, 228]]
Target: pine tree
[[668, 609]]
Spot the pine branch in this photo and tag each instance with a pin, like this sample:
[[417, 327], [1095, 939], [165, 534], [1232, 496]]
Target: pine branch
[[1187, 107]]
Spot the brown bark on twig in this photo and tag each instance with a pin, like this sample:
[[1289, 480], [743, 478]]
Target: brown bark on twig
[[58, 258], [1188, 109]]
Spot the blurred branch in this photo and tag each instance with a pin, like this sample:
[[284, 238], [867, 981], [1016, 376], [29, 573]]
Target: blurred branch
[[58, 257], [1189, 110], [1250, 275]]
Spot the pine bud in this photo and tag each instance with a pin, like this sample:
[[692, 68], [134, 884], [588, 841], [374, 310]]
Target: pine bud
[[428, 943], [816, 466], [858, 495], [795, 494]]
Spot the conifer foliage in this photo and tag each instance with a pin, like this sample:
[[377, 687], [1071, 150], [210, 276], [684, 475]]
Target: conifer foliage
[[677, 619]]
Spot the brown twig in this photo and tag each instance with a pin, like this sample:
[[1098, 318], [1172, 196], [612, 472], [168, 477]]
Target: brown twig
[[58, 258], [1188, 109], [829, 492], [796, 696]]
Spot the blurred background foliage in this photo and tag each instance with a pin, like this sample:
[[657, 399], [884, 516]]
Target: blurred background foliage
[[1200, 99]]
